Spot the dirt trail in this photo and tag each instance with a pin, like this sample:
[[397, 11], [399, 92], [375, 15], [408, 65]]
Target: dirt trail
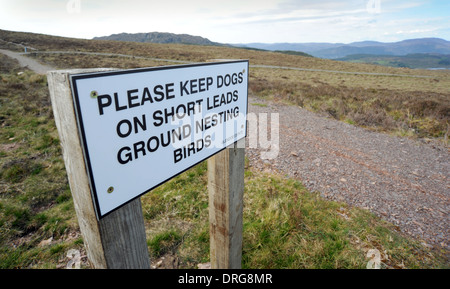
[[27, 62], [403, 181]]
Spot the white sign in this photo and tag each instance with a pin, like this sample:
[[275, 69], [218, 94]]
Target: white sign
[[141, 127]]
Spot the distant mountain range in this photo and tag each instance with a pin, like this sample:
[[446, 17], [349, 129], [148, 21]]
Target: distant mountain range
[[340, 50], [412, 53], [159, 37]]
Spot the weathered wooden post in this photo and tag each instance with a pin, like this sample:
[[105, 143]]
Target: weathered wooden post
[[226, 192], [117, 240], [124, 133]]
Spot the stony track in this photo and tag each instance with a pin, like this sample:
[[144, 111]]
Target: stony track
[[27, 62], [404, 181]]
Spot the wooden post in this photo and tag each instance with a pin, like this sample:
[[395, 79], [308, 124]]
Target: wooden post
[[226, 192], [117, 240]]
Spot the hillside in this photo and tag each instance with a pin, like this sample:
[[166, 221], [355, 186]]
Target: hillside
[[179, 52], [424, 45], [158, 37], [414, 61]]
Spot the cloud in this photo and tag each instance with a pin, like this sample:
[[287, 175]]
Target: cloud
[[230, 21], [298, 11], [323, 5], [415, 31]]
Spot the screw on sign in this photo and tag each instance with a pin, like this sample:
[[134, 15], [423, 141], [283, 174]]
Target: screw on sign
[[130, 120], [114, 111]]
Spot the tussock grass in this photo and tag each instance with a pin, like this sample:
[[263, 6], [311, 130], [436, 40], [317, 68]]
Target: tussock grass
[[92, 61], [285, 226], [35, 199], [423, 113]]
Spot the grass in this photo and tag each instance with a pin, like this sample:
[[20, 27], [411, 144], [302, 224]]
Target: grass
[[400, 105], [417, 60], [35, 199], [285, 226]]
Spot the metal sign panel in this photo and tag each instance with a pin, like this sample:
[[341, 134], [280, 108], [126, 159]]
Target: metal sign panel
[[142, 127]]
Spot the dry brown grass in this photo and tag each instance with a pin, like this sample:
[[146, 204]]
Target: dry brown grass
[[192, 53], [397, 102], [7, 64], [438, 81], [413, 113], [64, 61]]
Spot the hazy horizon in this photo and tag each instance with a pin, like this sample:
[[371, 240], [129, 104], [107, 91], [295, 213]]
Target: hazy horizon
[[250, 21]]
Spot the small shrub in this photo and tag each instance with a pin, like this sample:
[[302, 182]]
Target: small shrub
[[164, 242]]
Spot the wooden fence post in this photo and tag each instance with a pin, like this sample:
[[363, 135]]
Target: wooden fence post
[[118, 239], [226, 192]]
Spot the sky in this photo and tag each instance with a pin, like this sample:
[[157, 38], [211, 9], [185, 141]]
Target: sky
[[234, 21]]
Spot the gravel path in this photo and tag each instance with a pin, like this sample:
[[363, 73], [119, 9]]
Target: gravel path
[[405, 182], [27, 62]]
